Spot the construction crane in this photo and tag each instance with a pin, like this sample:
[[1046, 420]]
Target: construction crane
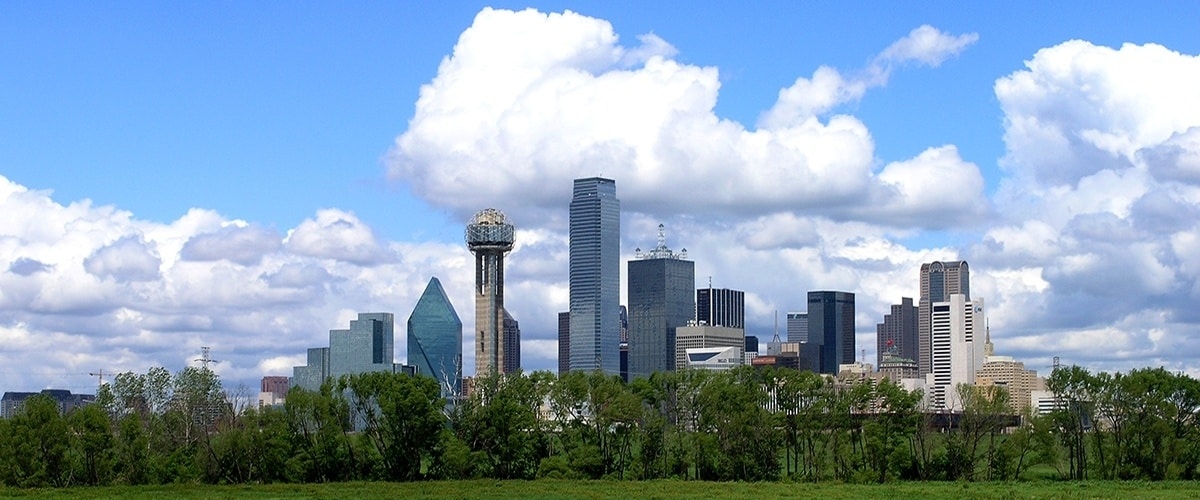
[[100, 376]]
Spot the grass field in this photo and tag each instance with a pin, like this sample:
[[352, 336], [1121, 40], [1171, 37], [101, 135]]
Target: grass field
[[635, 490]]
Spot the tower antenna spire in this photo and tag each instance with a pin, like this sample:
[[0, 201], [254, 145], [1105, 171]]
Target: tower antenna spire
[[205, 358]]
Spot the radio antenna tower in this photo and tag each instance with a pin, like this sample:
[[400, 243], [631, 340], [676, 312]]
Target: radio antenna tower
[[204, 358]]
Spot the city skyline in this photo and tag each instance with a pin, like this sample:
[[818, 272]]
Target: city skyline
[[175, 178]]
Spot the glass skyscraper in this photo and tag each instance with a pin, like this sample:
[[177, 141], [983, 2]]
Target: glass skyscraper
[[721, 307], [512, 344], [435, 340], [831, 329], [661, 298], [367, 346], [595, 276]]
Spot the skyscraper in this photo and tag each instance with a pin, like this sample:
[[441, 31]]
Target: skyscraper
[[831, 329], [595, 275], [489, 235], [721, 307], [660, 295], [435, 339], [957, 349], [898, 332], [367, 346], [797, 327], [564, 342], [512, 344], [939, 280]]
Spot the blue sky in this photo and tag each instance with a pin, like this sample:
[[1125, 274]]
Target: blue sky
[[266, 114]]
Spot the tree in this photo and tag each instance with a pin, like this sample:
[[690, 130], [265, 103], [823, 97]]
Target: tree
[[39, 445], [1074, 416], [500, 422], [888, 429], [402, 417], [91, 444], [319, 425], [985, 414]]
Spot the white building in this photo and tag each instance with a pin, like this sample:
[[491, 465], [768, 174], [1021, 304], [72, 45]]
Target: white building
[[694, 336], [957, 349], [714, 358]]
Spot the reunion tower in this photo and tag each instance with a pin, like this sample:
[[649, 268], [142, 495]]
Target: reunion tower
[[489, 237]]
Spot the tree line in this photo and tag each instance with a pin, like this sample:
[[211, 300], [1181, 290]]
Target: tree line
[[745, 424]]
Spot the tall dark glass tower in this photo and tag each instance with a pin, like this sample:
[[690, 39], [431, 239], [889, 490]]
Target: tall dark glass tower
[[831, 328], [564, 342], [435, 340], [595, 276], [512, 344], [939, 280], [660, 294], [721, 307], [489, 236]]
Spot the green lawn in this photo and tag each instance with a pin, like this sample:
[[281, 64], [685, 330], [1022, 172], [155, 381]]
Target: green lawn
[[631, 490]]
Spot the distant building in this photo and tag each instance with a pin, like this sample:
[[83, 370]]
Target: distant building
[[857, 372], [512, 344], [435, 340], [939, 280], [713, 358], [564, 343], [751, 350], [12, 402], [594, 277], [367, 346], [721, 307], [897, 367], [624, 344], [1006, 372], [273, 390], [957, 349], [898, 332], [661, 287], [697, 336], [831, 328], [797, 327]]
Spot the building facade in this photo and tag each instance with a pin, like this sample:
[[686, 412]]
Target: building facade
[[272, 391], [512, 344], [662, 285], [594, 277], [721, 307], [699, 336], [564, 343], [435, 339], [939, 280], [956, 351], [797, 327], [367, 346], [12, 402], [831, 329], [898, 333], [713, 358], [489, 236]]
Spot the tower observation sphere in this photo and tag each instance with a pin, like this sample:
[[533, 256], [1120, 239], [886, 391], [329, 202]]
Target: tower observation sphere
[[489, 236]]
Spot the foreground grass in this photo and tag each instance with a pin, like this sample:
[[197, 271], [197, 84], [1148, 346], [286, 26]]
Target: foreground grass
[[630, 489]]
